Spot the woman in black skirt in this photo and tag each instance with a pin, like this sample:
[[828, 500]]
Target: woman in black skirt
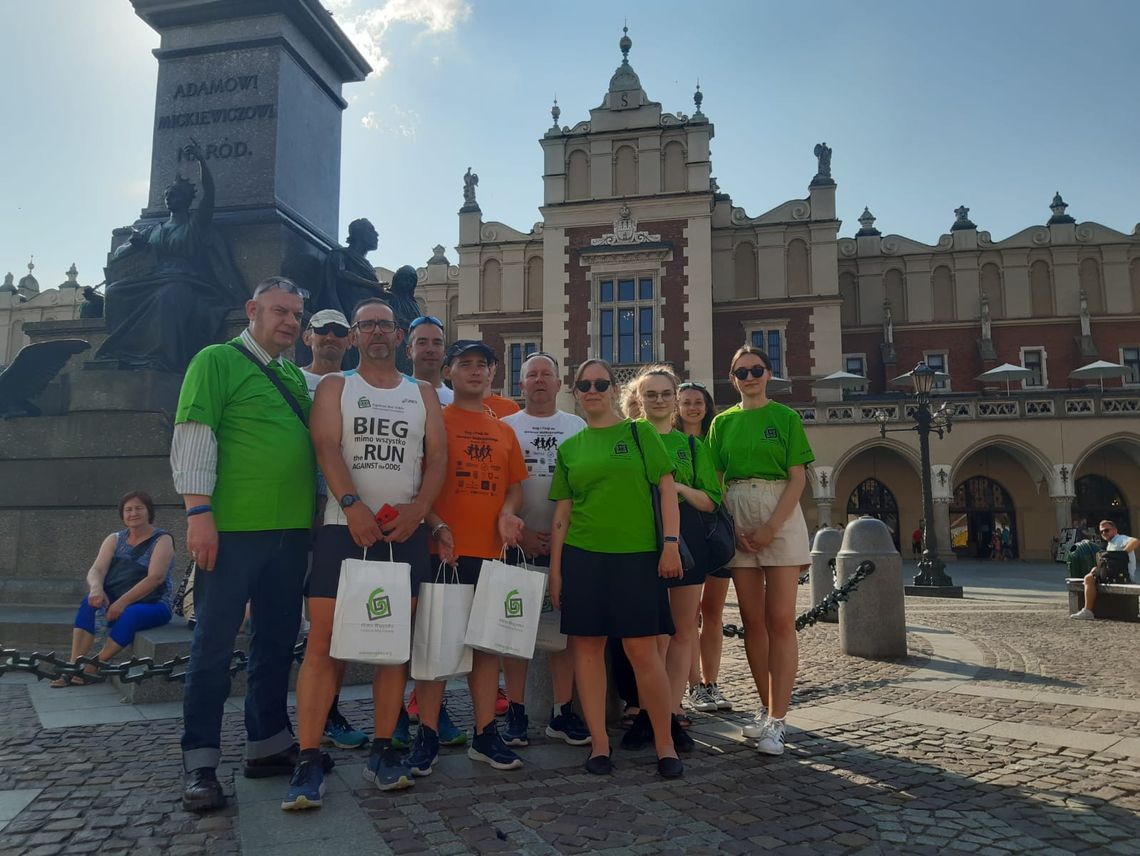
[[605, 562]]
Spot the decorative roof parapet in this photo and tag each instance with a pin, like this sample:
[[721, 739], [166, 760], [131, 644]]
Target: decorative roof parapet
[[962, 221], [9, 286], [867, 225], [1058, 207], [438, 257]]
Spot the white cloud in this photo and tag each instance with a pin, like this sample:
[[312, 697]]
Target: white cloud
[[400, 122], [367, 27]]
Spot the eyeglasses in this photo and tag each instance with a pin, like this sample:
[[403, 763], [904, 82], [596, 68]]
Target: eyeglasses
[[652, 395], [369, 325], [755, 371], [692, 384], [600, 385], [335, 329], [282, 284], [425, 319]]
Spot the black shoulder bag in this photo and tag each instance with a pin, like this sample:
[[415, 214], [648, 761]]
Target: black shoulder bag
[[276, 381], [720, 533], [126, 572], [687, 562], [1112, 567]]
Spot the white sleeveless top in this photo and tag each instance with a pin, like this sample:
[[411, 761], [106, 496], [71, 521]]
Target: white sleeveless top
[[382, 440]]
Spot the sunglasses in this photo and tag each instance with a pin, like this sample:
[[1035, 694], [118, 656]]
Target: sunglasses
[[692, 384], [599, 385], [1106, 531], [371, 324], [755, 371], [335, 329], [542, 354], [282, 284], [425, 319]]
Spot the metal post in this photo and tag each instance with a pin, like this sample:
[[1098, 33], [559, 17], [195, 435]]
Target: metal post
[[931, 578]]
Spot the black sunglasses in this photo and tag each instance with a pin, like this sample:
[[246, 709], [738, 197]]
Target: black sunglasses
[[283, 284], [425, 319], [542, 354], [335, 329], [599, 385], [1106, 531], [742, 373], [692, 384]]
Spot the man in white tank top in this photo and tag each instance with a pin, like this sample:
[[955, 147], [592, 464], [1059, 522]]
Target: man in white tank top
[[380, 441]]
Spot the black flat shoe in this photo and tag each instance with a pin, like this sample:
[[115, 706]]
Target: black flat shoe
[[599, 765], [670, 768], [202, 791], [682, 742], [639, 735], [281, 764]]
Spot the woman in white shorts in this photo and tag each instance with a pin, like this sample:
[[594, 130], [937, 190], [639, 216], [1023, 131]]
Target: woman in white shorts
[[760, 449]]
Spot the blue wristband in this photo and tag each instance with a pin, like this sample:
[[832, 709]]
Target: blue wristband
[[199, 509]]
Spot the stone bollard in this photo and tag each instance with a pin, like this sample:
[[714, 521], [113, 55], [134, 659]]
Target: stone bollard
[[823, 549], [872, 622], [539, 688]]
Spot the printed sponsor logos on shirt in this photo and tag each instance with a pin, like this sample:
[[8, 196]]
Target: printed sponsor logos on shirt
[[770, 433], [363, 402]]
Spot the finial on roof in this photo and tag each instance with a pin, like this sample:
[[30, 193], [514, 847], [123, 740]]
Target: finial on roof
[[31, 264], [962, 219], [72, 275], [9, 287], [555, 111], [867, 225], [438, 257], [1058, 207], [29, 285], [625, 44], [698, 97]]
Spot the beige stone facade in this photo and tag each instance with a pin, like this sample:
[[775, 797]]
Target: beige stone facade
[[24, 303]]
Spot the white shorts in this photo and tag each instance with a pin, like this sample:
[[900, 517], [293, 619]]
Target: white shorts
[[751, 503]]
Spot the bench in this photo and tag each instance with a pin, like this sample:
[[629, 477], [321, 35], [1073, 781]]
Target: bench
[[1120, 601]]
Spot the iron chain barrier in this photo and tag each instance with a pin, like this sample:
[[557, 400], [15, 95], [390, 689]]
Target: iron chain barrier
[[138, 669]]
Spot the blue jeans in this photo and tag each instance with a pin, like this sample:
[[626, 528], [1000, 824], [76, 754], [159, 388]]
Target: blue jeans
[[136, 617], [266, 570]]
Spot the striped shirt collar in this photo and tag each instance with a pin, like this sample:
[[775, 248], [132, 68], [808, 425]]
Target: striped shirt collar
[[258, 351]]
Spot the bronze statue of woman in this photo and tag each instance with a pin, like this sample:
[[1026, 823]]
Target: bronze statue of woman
[[170, 285]]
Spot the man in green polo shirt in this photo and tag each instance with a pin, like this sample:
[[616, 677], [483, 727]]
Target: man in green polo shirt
[[243, 461]]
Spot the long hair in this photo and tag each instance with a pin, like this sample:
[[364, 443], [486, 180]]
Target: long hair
[[756, 352], [631, 403], [710, 407]]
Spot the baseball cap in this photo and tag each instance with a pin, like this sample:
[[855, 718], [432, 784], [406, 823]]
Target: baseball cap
[[328, 316], [462, 346]]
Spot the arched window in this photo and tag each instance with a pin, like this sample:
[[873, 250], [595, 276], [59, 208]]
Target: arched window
[[799, 273], [981, 507], [989, 284], [942, 286], [1089, 274], [894, 289], [849, 294], [1040, 290], [578, 175], [534, 283], [492, 291], [625, 172], [873, 498], [673, 167], [744, 260]]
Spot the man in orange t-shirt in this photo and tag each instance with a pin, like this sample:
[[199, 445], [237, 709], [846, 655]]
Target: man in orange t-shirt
[[474, 516]]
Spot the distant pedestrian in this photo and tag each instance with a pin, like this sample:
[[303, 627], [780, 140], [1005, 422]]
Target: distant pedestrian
[[916, 542]]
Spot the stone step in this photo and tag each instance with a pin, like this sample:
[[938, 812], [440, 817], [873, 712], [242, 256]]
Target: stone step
[[37, 628]]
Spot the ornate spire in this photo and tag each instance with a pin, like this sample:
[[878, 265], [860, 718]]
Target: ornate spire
[[555, 112], [625, 44], [962, 221], [1058, 207], [72, 277], [698, 97], [867, 225], [8, 287], [29, 285]]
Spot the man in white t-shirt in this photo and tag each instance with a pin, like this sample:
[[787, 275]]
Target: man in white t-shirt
[[426, 346], [541, 428], [1114, 541]]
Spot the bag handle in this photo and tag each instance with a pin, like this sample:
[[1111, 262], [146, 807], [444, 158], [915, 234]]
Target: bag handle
[[276, 381], [391, 554], [443, 569]]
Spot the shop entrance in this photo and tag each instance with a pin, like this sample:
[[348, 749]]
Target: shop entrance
[[982, 509]]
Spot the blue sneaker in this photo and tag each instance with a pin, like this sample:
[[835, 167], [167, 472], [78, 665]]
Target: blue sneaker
[[449, 732], [387, 771], [402, 737], [489, 748], [306, 788], [342, 735], [425, 752], [568, 726], [515, 734]]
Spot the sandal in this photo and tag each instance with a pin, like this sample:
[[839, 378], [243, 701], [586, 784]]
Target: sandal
[[62, 681], [629, 715]]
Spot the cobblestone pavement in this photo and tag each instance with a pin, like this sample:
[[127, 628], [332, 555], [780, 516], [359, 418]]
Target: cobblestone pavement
[[878, 767]]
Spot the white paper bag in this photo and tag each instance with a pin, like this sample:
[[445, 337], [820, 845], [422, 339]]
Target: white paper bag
[[504, 614], [372, 622], [550, 636], [438, 649]]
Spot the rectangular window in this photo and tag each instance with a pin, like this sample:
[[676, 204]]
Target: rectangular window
[[771, 342], [938, 361], [1034, 360], [627, 310], [1130, 357], [855, 364], [517, 352]]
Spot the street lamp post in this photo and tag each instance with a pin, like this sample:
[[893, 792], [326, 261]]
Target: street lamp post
[[932, 579]]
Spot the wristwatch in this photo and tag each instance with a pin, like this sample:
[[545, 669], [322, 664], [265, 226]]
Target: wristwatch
[[349, 499]]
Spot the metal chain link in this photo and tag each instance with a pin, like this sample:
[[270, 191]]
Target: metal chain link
[[828, 604]]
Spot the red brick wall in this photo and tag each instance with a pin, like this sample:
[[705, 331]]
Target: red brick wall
[[493, 335], [728, 335], [676, 311]]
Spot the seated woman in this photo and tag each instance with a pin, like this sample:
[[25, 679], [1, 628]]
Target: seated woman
[[130, 579]]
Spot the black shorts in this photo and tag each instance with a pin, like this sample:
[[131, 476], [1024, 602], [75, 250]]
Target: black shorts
[[334, 544], [613, 594], [720, 574], [693, 532]]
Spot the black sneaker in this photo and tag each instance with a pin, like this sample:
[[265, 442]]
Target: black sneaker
[[599, 765], [670, 768], [639, 735], [202, 791], [518, 723], [281, 764], [682, 742], [488, 747], [568, 726]]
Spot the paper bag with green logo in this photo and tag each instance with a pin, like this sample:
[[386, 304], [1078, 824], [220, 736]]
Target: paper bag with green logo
[[504, 615], [438, 649], [372, 622]]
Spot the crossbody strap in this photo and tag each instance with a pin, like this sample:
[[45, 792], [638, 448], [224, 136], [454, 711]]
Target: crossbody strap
[[276, 381], [640, 451]]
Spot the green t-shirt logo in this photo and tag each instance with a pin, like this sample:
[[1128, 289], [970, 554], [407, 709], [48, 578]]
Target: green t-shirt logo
[[770, 433], [363, 403], [621, 448], [513, 605], [378, 605]]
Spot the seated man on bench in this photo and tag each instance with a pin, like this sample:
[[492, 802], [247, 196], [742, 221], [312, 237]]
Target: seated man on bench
[[1114, 541]]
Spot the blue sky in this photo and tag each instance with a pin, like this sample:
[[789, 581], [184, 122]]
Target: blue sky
[[927, 106]]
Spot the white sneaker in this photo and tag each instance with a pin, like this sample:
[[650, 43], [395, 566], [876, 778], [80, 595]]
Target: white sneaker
[[699, 699], [771, 742], [755, 729], [1085, 614], [716, 695]]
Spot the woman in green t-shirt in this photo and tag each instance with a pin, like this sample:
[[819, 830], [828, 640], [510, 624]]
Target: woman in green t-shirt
[[605, 563], [761, 451], [653, 394]]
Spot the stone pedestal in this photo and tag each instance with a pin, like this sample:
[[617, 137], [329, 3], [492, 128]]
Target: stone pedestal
[[826, 544], [872, 622]]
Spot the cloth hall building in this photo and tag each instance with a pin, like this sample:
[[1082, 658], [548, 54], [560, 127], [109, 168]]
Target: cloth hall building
[[640, 257]]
